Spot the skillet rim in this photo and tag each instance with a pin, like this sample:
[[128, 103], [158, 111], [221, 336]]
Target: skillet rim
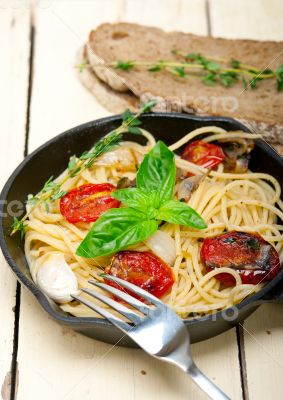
[[78, 321]]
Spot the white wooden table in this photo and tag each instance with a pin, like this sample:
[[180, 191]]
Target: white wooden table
[[40, 97]]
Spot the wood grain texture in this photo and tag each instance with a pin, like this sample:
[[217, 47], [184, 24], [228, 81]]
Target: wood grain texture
[[263, 330], [242, 19], [14, 45], [55, 362], [181, 15], [264, 352], [68, 366]]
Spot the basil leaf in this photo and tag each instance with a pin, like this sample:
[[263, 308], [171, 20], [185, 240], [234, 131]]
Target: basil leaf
[[115, 230], [176, 212], [132, 197], [139, 199], [157, 172]]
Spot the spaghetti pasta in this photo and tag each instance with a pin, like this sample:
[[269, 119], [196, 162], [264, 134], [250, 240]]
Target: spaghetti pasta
[[248, 202]]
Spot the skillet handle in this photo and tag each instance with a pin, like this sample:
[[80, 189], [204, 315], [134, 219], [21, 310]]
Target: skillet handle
[[275, 295]]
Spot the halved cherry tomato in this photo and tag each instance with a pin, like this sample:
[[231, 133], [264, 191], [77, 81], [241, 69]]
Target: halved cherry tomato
[[206, 155], [87, 202], [143, 269], [249, 254]]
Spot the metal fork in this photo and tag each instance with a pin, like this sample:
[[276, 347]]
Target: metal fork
[[155, 328]]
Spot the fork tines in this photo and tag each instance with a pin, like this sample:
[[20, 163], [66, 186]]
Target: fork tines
[[131, 315]]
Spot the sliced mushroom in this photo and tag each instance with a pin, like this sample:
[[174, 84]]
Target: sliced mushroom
[[236, 154], [125, 183], [188, 186]]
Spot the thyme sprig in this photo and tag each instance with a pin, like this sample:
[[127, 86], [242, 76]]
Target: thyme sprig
[[229, 71], [18, 225], [210, 70], [82, 65], [52, 189]]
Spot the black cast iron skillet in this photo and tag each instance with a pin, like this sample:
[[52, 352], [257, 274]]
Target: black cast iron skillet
[[52, 158]]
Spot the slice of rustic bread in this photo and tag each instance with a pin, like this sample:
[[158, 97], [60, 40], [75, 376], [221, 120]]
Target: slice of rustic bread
[[279, 148], [113, 101], [260, 108]]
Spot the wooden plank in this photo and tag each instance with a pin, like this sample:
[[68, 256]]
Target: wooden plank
[[66, 365], [263, 330], [264, 353], [173, 15], [14, 66], [241, 19]]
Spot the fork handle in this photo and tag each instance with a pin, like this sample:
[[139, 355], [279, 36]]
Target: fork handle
[[205, 384]]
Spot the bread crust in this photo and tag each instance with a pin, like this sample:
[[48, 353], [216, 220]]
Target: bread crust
[[113, 101]]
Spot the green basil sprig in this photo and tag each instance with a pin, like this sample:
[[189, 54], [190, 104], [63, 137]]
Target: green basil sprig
[[116, 229], [147, 205]]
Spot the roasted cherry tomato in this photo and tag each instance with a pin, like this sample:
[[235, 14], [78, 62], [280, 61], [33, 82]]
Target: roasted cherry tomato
[[143, 269], [87, 202], [249, 254], [206, 155]]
